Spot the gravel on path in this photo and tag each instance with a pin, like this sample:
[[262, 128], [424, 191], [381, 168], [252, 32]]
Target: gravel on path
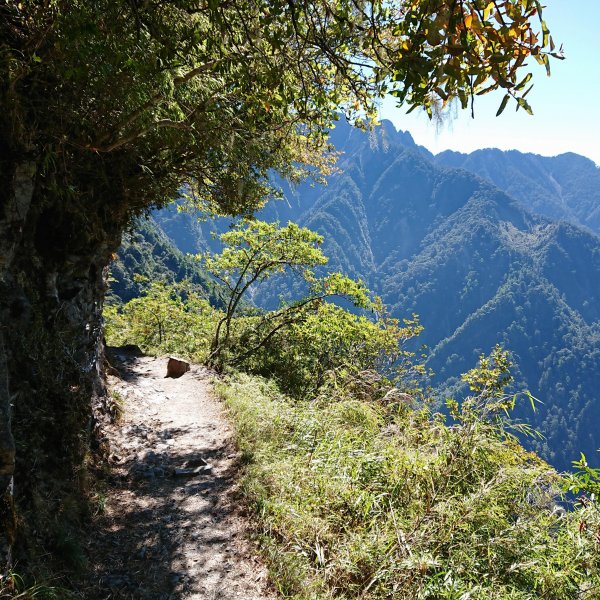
[[171, 523]]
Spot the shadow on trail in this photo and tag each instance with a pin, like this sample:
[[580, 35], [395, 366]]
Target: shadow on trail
[[171, 527], [167, 513]]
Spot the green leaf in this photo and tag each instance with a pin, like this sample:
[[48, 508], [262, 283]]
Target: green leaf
[[503, 104], [521, 102], [524, 81]]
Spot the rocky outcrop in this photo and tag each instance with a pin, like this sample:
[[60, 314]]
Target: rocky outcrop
[[57, 235]]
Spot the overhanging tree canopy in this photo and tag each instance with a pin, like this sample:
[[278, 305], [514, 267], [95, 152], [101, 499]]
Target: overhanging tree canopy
[[110, 107], [218, 93]]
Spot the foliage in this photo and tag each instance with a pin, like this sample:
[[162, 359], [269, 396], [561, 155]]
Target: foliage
[[477, 46], [362, 499], [334, 346], [362, 492], [488, 382], [147, 254], [166, 319], [214, 95], [256, 251], [491, 377], [303, 344], [113, 107], [585, 479]]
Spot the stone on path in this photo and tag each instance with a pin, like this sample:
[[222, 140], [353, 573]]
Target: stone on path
[[176, 367]]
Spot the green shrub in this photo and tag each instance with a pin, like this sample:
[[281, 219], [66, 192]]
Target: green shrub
[[334, 346], [168, 318], [302, 345]]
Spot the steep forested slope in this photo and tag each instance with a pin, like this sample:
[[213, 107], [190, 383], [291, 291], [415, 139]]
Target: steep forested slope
[[563, 187], [475, 265], [147, 254]]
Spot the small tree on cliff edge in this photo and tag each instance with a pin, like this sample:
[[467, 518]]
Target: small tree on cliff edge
[[108, 108], [254, 252]]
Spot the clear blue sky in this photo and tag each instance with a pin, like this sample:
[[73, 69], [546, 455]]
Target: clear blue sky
[[566, 105]]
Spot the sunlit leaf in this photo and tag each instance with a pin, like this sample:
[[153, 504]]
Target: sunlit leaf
[[503, 104]]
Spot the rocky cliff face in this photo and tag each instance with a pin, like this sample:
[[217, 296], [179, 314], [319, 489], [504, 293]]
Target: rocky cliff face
[[56, 238]]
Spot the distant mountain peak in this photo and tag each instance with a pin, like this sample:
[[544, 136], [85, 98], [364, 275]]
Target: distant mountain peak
[[397, 136], [383, 138]]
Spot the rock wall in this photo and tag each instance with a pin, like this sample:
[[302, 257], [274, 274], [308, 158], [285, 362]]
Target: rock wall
[[14, 207], [57, 235]]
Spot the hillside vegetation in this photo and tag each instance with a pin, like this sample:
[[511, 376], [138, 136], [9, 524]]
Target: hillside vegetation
[[146, 254], [362, 496], [565, 187], [361, 489]]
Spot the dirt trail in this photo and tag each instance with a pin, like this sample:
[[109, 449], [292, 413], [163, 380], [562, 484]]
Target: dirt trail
[[172, 526]]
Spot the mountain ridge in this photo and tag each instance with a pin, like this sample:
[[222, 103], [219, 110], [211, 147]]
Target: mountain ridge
[[566, 186]]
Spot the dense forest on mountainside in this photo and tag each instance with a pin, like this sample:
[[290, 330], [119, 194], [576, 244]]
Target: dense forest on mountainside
[[476, 266], [565, 187], [147, 254]]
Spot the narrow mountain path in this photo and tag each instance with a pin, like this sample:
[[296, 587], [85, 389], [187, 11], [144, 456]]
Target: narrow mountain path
[[171, 525]]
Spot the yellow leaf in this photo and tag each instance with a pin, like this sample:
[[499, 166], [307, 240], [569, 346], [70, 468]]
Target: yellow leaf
[[487, 11], [468, 21]]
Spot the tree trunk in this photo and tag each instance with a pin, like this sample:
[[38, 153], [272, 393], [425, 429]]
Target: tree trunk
[[57, 235]]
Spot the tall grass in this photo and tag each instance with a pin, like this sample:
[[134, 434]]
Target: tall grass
[[13, 586], [360, 500]]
